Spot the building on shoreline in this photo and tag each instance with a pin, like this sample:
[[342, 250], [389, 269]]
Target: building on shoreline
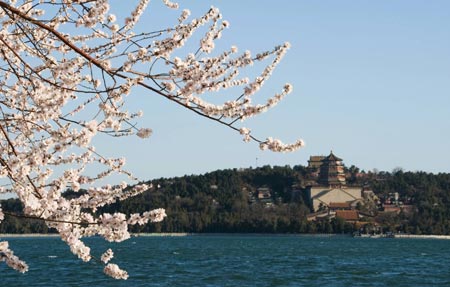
[[330, 188]]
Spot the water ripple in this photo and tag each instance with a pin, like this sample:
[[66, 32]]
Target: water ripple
[[240, 261]]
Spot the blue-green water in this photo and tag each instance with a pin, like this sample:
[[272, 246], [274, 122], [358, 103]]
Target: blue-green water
[[235, 260]]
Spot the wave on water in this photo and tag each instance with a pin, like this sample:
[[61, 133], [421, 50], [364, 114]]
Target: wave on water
[[241, 260]]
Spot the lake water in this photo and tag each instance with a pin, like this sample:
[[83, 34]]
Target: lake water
[[239, 260]]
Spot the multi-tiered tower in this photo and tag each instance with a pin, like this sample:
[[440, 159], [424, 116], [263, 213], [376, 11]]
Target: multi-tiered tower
[[332, 172], [330, 188]]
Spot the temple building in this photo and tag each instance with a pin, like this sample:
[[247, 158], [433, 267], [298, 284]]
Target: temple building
[[315, 161], [332, 172], [330, 187]]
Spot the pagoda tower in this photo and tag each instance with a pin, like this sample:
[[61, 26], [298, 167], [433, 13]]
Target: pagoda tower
[[332, 172]]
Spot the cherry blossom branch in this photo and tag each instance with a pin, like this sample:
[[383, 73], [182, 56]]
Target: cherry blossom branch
[[59, 90], [47, 219], [266, 143]]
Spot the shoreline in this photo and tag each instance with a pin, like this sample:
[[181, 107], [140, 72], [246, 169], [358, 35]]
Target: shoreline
[[422, 236], [11, 235], [183, 234]]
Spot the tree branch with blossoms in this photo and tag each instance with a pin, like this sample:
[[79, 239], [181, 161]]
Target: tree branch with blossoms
[[66, 68]]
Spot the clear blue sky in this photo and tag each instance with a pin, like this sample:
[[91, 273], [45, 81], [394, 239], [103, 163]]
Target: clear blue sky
[[371, 82]]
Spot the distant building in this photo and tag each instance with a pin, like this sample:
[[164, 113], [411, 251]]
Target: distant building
[[264, 195], [315, 161], [330, 190], [392, 208], [348, 215], [332, 172], [322, 197], [339, 206]]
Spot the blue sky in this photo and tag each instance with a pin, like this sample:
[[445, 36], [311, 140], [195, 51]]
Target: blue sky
[[371, 82]]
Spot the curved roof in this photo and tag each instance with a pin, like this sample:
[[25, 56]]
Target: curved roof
[[350, 215], [332, 157]]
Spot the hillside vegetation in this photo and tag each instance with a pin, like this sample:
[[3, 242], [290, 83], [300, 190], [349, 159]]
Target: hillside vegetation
[[227, 201]]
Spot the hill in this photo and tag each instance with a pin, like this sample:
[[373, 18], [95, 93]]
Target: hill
[[273, 200]]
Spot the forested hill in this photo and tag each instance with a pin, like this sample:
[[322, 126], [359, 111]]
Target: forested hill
[[271, 200]]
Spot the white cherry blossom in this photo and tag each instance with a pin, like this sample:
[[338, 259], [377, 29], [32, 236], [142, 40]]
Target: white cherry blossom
[[67, 69]]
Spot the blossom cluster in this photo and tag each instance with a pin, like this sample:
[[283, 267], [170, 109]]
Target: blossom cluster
[[278, 146], [59, 91], [107, 256], [115, 272], [7, 255]]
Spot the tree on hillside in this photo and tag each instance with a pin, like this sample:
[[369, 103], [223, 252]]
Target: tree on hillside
[[65, 70]]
